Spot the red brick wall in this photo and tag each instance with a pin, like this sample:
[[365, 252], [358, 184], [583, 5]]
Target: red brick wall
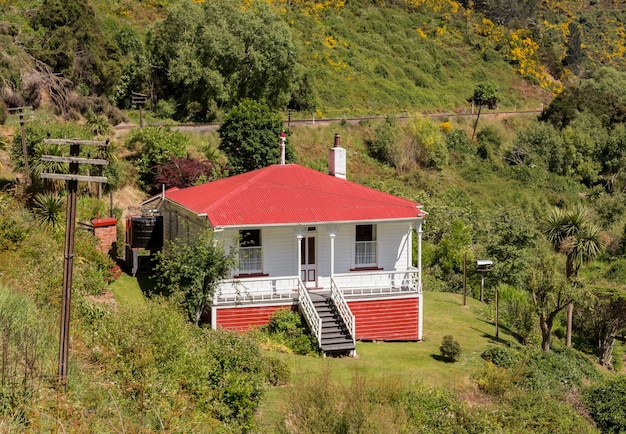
[[105, 231]]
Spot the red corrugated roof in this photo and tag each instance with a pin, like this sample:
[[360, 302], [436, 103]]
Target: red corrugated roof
[[290, 194]]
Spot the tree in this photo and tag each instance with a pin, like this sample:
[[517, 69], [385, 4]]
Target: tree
[[485, 94], [250, 137], [603, 318], [572, 233], [184, 172], [154, 147], [549, 291], [193, 269], [74, 44], [212, 55]]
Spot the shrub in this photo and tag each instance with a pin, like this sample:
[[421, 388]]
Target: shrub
[[382, 145], [450, 349], [288, 328], [500, 356], [606, 403], [155, 146]]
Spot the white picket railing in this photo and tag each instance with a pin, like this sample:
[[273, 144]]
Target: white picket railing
[[356, 283], [310, 314], [257, 289], [343, 308], [378, 282]]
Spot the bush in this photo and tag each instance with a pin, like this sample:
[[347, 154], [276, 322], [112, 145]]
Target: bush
[[606, 403], [382, 145], [287, 327], [500, 356], [450, 349]]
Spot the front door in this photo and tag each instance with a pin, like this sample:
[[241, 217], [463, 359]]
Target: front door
[[308, 261]]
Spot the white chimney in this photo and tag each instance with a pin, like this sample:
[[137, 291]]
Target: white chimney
[[337, 160], [282, 148]]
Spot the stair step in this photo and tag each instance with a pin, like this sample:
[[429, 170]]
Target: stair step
[[338, 347]]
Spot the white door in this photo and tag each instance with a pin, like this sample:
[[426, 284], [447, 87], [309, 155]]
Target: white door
[[308, 261]]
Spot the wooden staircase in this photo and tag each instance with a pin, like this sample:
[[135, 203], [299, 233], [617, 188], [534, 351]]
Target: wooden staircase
[[336, 338]]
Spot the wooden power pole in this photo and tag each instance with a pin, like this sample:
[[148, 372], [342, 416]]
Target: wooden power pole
[[72, 179], [139, 99], [25, 114]]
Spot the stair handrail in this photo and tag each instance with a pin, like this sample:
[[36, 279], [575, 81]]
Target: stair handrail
[[310, 314], [342, 307]]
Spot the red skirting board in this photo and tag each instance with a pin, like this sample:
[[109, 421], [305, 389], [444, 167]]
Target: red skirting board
[[244, 318], [386, 320]]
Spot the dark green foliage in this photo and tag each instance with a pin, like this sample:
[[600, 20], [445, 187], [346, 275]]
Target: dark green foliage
[[560, 368], [250, 136], [381, 146], [226, 53], [73, 43], [192, 269], [502, 356], [450, 349], [154, 147], [288, 328], [566, 106], [47, 208], [606, 403], [160, 365]]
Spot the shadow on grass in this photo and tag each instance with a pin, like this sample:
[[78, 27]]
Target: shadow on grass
[[440, 358], [148, 285]]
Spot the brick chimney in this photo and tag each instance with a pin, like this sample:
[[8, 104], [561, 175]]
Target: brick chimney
[[337, 159]]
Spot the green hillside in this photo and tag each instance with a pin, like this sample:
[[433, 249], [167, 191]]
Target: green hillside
[[536, 184]]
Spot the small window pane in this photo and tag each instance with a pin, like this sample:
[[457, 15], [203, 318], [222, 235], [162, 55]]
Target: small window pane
[[365, 233], [250, 237]]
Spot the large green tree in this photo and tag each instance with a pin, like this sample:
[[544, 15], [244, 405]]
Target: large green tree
[[250, 137], [572, 233], [211, 55], [192, 269], [74, 44]]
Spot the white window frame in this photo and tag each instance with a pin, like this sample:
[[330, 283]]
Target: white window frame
[[365, 250], [250, 256]]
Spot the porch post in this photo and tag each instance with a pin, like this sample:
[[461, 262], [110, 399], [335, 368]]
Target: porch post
[[332, 255], [419, 256], [300, 236], [420, 303]]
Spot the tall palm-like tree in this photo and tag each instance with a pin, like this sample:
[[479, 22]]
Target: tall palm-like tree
[[572, 233]]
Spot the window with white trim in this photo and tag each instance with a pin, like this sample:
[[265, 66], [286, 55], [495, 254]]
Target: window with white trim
[[365, 246], [250, 253]]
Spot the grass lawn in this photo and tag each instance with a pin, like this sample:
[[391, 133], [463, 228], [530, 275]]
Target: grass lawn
[[128, 290], [406, 362]]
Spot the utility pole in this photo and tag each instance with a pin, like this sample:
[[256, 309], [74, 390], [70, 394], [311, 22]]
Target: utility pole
[[139, 99], [26, 115], [72, 179]]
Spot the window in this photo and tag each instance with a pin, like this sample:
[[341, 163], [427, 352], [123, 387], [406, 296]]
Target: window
[[250, 254], [365, 246]]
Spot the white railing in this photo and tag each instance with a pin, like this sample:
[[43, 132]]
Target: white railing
[[310, 314], [256, 289], [378, 282], [343, 308]]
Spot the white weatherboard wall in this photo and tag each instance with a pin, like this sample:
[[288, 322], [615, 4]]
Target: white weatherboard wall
[[280, 248]]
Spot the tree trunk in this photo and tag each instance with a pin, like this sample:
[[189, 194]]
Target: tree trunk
[[568, 335], [476, 123], [605, 351], [546, 330]]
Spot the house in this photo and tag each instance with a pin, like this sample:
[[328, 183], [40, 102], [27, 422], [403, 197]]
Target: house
[[338, 251]]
